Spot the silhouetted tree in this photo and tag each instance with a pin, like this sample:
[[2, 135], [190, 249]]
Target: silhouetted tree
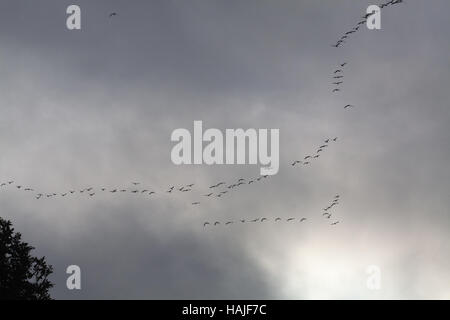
[[22, 276]]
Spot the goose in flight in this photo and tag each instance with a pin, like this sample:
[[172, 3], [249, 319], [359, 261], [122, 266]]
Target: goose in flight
[[112, 14], [92, 194], [338, 83], [277, 219], [335, 139], [113, 191], [195, 203], [335, 223], [243, 220], [228, 223], [345, 63], [337, 71], [263, 219], [338, 77], [208, 195], [206, 223], [336, 90], [302, 219], [135, 183], [290, 219], [307, 157], [349, 106], [151, 192], [255, 220], [216, 223], [295, 162], [190, 185]]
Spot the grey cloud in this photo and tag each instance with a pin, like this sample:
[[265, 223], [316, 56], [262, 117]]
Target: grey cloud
[[97, 107]]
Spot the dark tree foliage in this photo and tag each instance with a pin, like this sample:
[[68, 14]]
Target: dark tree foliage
[[22, 276]]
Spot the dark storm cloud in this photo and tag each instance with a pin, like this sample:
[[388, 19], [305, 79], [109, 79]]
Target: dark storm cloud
[[97, 107]]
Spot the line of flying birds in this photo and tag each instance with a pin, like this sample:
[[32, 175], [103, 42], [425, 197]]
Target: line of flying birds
[[347, 34], [327, 214], [309, 158], [221, 188]]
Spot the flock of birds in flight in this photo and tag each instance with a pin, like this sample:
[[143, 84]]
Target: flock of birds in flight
[[342, 40], [220, 189], [326, 214]]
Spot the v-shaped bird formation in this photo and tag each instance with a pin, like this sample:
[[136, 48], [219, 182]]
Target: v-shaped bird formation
[[219, 189]]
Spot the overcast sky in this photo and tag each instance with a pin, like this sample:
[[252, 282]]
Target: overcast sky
[[96, 107]]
